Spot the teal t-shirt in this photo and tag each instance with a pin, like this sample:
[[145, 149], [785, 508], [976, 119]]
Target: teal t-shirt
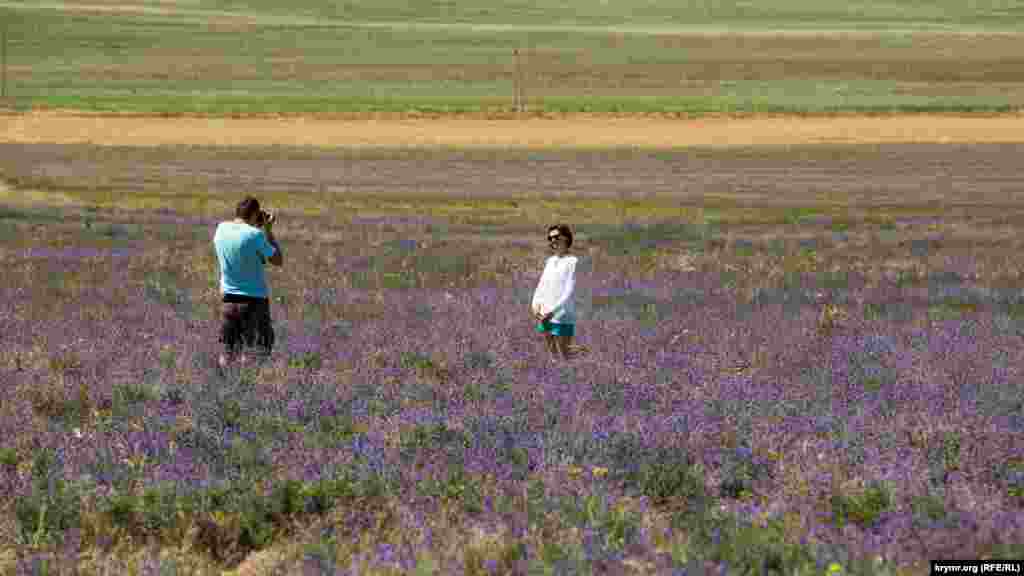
[[241, 251]]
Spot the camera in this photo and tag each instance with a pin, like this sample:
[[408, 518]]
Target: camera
[[262, 218]]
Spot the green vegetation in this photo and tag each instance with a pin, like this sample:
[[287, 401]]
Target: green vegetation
[[457, 487], [863, 508], [306, 361], [751, 549], [52, 507], [663, 475], [230, 521], [740, 472], [261, 57], [658, 16], [928, 508], [1011, 475]]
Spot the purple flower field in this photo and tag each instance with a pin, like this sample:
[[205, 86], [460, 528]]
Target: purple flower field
[[746, 405]]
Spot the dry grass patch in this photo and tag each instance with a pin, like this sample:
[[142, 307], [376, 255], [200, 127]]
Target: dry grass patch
[[679, 261]]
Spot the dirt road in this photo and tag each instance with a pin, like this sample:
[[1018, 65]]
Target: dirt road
[[570, 131]]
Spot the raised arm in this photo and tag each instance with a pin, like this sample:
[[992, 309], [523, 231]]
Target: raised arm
[[277, 259]]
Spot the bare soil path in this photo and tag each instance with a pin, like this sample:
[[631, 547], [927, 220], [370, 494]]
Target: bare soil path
[[584, 131]]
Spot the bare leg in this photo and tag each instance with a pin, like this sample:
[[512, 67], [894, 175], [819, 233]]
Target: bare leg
[[564, 342], [228, 362], [230, 356], [549, 340]]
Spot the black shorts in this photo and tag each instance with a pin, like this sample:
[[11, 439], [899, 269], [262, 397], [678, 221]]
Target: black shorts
[[246, 322]]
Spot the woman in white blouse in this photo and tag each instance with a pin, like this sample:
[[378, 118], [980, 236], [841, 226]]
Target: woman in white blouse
[[553, 304]]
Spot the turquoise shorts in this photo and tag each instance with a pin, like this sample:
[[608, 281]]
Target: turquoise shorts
[[556, 329]]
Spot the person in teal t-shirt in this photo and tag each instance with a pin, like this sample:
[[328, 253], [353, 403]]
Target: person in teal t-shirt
[[244, 245]]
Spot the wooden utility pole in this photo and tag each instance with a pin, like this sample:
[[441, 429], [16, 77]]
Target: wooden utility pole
[[516, 83], [3, 63], [522, 83]]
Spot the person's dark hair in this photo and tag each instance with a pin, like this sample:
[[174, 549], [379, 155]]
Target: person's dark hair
[[563, 229], [248, 207]]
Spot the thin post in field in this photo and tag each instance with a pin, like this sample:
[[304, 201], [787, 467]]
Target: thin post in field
[[522, 84], [516, 82], [3, 62]]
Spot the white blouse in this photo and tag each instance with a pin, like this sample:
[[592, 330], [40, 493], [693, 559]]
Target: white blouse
[[555, 289]]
